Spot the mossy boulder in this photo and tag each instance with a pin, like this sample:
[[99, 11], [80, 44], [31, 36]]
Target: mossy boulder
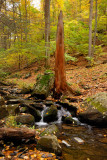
[[25, 119], [51, 130], [96, 112], [43, 85], [50, 144], [50, 114]]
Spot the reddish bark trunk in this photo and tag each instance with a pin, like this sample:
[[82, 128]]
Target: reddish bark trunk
[[60, 75]]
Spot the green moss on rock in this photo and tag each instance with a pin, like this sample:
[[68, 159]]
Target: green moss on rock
[[43, 85]]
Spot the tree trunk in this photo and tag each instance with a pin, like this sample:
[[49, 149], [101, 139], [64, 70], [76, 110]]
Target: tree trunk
[[90, 28], [47, 31], [14, 21], [94, 41], [60, 75], [13, 134], [26, 21]]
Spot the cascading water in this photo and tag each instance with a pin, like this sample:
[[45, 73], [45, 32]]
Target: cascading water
[[62, 112], [41, 122]]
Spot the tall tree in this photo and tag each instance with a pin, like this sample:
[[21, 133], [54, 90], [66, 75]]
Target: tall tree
[[95, 31], [60, 75], [47, 31], [90, 29]]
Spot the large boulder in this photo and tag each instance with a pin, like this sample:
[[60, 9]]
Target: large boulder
[[51, 130], [43, 85], [25, 119], [2, 102], [96, 112], [68, 120], [49, 143], [50, 114], [35, 113]]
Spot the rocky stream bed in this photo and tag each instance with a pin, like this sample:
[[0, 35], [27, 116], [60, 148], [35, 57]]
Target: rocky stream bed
[[58, 132]]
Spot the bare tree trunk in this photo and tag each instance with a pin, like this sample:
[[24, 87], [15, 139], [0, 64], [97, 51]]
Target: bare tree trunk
[[47, 31], [26, 20], [60, 75], [14, 21], [94, 41], [90, 28]]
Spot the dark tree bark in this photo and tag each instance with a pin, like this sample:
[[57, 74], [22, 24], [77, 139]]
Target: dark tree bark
[[60, 75]]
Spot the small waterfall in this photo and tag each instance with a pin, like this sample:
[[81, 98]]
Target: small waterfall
[[41, 122], [60, 113]]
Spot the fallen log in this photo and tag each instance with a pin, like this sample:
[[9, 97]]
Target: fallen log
[[16, 134]]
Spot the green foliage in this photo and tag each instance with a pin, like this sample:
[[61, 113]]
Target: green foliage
[[76, 37], [3, 74], [90, 60], [44, 79], [70, 58], [11, 122], [16, 75]]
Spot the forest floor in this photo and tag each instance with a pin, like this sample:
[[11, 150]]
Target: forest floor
[[85, 80]]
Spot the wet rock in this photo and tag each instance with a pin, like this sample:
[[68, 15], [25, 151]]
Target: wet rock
[[43, 86], [2, 102], [96, 112], [35, 113], [25, 119], [50, 144], [68, 120], [38, 106], [72, 109], [51, 114], [9, 96], [27, 107], [48, 103], [66, 143], [14, 101], [3, 112], [26, 103], [51, 130]]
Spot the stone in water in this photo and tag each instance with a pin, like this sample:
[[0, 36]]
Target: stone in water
[[79, 140]]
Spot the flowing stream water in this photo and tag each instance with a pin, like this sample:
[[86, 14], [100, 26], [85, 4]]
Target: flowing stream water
[[79, 142]]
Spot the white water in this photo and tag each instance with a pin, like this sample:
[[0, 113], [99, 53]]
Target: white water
[[60, 113], [42, 123]]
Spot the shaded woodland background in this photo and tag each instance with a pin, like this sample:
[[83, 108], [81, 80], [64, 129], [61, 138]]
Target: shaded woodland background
[[23, 31]]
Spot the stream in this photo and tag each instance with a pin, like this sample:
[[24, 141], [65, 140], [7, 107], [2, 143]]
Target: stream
[[79, 142]]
